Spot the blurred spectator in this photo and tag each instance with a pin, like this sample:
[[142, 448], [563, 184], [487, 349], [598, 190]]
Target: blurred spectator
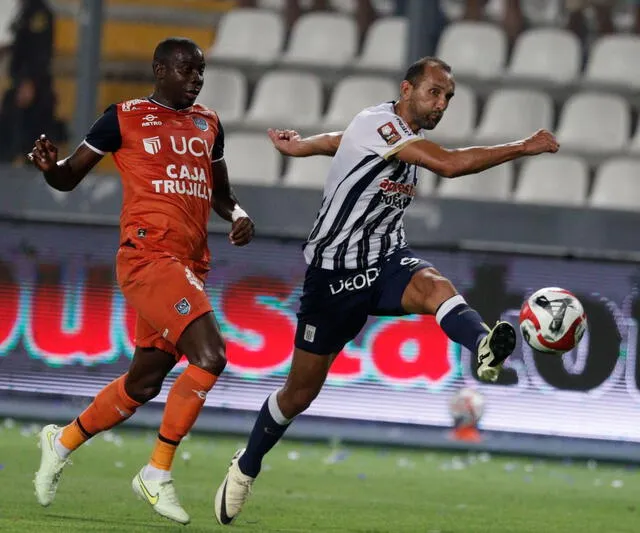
[[28, 105], [513, 20], [365, 12]]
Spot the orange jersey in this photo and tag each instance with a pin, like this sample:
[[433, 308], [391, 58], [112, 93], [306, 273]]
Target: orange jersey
[[164, 157]]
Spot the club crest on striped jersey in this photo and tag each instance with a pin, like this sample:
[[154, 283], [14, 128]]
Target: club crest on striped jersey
[[389, 133]]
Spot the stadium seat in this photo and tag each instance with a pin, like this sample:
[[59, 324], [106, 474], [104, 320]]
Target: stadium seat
[[553, 180], [477, 49], [594, 122], [551, 55], [286, 99], [385, 45], [251, 159], [493, 184], [7, 15], [352, 94], [611, 60], [322, 39], [459, 120], [617, 185], [512, 114], [307, 172], [225, 91], [249, 35], [426, 182]]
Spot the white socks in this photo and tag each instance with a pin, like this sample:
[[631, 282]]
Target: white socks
[[151, 473], [59, 448]]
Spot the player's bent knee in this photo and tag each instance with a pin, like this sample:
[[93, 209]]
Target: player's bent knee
[[212, 359], [293, 402], [432, 289]]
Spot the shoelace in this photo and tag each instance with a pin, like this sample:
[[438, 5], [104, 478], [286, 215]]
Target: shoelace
[[169, 492]]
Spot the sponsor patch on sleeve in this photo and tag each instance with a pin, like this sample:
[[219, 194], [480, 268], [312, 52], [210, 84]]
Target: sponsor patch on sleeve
[[389, 133]]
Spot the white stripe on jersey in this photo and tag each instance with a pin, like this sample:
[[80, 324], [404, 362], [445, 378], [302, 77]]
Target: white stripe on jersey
[[365, 195]]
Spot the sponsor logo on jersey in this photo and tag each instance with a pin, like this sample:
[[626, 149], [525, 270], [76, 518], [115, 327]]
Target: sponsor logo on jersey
[[151, 145], [194, 145], [200, 123], [130, 104], [355, 283], [404, 127], [183, 307], [389, 133], [389, 186], [150, 120]]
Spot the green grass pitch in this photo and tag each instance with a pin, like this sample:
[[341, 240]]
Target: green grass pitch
[[310, 487]]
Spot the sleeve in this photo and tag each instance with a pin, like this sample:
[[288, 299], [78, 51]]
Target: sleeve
[[385, 133], [217, 153], [104, 136]]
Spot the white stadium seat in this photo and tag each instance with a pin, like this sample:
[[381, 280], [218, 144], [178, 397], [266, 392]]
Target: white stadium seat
[[225, 91], [459, 119], [7, 15], [251, 159], [594, 122], [307, 172], [493, 184], [286, 99], [251, 35], [512, 114], [553, 179], [352, 94], [617, 185], [426, 182], [551, 55], [476, 49], [385, 45], [612, 61], [322, 39]]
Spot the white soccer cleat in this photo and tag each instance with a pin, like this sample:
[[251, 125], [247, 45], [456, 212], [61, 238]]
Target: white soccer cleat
[[233, 493], [494, 349], [51, 465], [161, 495]]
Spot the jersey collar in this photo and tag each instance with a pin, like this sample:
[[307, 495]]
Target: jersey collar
[[168, 107]]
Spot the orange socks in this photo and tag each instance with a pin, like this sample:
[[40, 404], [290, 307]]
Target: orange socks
[[111, 406], [184, 403]]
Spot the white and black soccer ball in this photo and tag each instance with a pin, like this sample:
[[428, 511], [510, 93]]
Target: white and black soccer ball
[[552, 320], [466, 407]]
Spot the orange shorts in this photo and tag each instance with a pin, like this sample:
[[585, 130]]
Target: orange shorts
[[167, 294]]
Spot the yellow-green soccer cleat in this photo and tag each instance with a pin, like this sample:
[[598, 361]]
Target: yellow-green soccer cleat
[[232, 493], [161, 495], [494, 349], [51, 465]]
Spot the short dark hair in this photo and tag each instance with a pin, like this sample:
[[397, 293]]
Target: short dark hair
[[416, 70], [166, 48]]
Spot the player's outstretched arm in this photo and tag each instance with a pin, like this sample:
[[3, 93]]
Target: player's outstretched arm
[[226, 205], [289, 142], [66, 174], [463, 161]]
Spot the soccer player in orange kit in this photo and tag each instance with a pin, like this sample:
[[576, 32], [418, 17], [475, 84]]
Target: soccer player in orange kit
[[169, 151]]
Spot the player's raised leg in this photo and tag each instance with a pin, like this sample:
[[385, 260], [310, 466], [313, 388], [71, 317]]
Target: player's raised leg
[[111, 406], [429, 292], [306, 377], [204, 348]]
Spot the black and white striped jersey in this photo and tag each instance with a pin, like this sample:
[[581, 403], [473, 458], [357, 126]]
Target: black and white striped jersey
[[365, 195]]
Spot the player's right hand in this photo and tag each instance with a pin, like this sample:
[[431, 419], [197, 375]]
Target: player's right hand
[[542, 141], [287, 142], [44, 154]]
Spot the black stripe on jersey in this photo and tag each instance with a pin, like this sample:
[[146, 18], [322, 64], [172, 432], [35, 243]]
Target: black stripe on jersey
[[320, 220], [351, 199], [363, 244], [341, 250], [386, 239]]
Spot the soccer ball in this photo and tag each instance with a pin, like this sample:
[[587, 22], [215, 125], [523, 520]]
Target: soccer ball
[[466, 407], [552, 320]]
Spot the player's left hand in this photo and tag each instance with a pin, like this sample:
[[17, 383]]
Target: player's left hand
[[242, 231]]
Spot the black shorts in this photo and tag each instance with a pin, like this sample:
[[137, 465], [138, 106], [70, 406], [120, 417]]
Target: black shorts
[[335, 304]]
